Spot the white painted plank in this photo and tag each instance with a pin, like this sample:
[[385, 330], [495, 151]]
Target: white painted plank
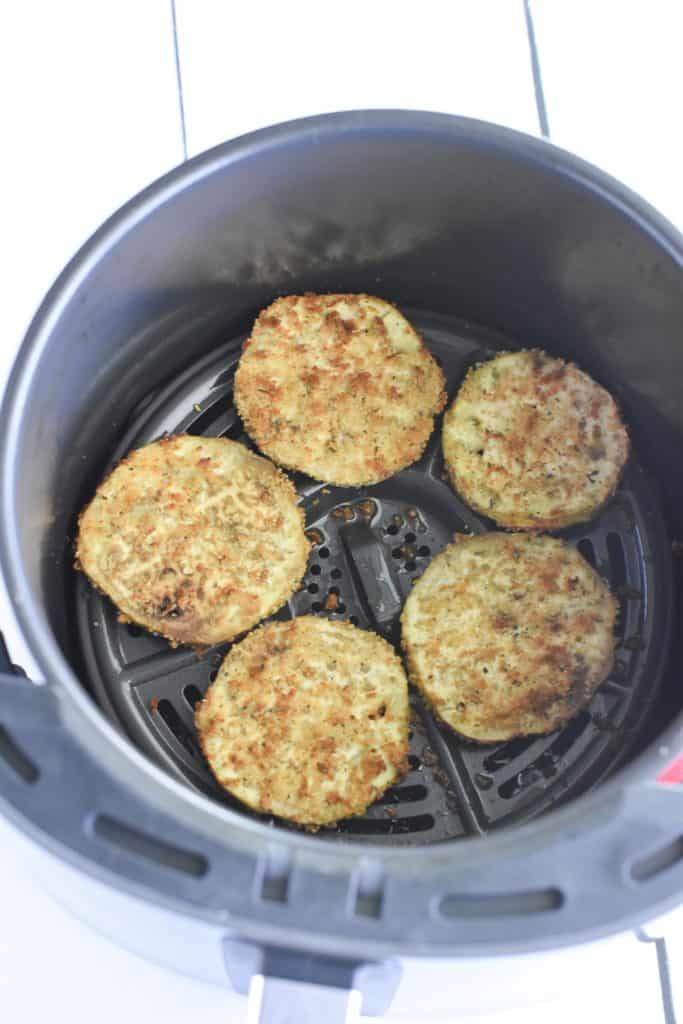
[[249, 65], [90, 116], [614, 89]]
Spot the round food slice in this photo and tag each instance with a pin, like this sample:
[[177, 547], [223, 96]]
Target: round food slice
[[340, 387], [196, 538], [508, 635], [307, 720], [533, 442]]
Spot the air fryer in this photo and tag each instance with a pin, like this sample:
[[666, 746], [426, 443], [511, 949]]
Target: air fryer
[[487, 240]]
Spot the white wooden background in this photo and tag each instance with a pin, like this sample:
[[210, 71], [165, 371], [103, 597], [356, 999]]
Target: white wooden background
[[92, 112]]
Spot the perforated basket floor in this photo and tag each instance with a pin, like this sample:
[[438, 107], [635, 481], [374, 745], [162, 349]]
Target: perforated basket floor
[[369, 546]]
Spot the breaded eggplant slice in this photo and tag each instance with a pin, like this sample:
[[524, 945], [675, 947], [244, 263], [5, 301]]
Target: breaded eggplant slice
[[533, 442], [508, 634], [340, 387], [195, 538], [307, 720]]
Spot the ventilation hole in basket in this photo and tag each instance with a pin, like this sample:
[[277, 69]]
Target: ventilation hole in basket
[[192, 695], [334, 590], [315, 570], [341, 608], [529, 776], [413, 762], [617, 560], [324, 553], [313, 588], [503, 756], [149, 847], [218, 424], [354, 620], [546, 766], [570, 734], [214, 420], [403, 795], [390, 826], [410, 537], [177, 726], [231, 430], [411, 565], [133, 630], [392, 528], [316, 606], [423, 551], [336, 574], [619, 672], [397, 552], [586, 548], [212, 674]]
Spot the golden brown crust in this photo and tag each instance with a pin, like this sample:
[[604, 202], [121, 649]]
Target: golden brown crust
[[508, 635], [195, 538], [340, 387], [307, 719], [533, 442]]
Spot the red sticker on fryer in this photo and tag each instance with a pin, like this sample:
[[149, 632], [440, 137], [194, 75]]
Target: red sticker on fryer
[[673, 772]]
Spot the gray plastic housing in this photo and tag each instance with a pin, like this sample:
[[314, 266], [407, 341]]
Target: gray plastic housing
[[436, 213]]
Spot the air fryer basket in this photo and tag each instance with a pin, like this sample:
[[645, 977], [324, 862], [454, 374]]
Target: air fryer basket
[[486, 239], [369, 547]]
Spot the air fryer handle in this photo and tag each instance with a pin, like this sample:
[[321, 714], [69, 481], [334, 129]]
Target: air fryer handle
[[280, 1001], [291, 987]]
